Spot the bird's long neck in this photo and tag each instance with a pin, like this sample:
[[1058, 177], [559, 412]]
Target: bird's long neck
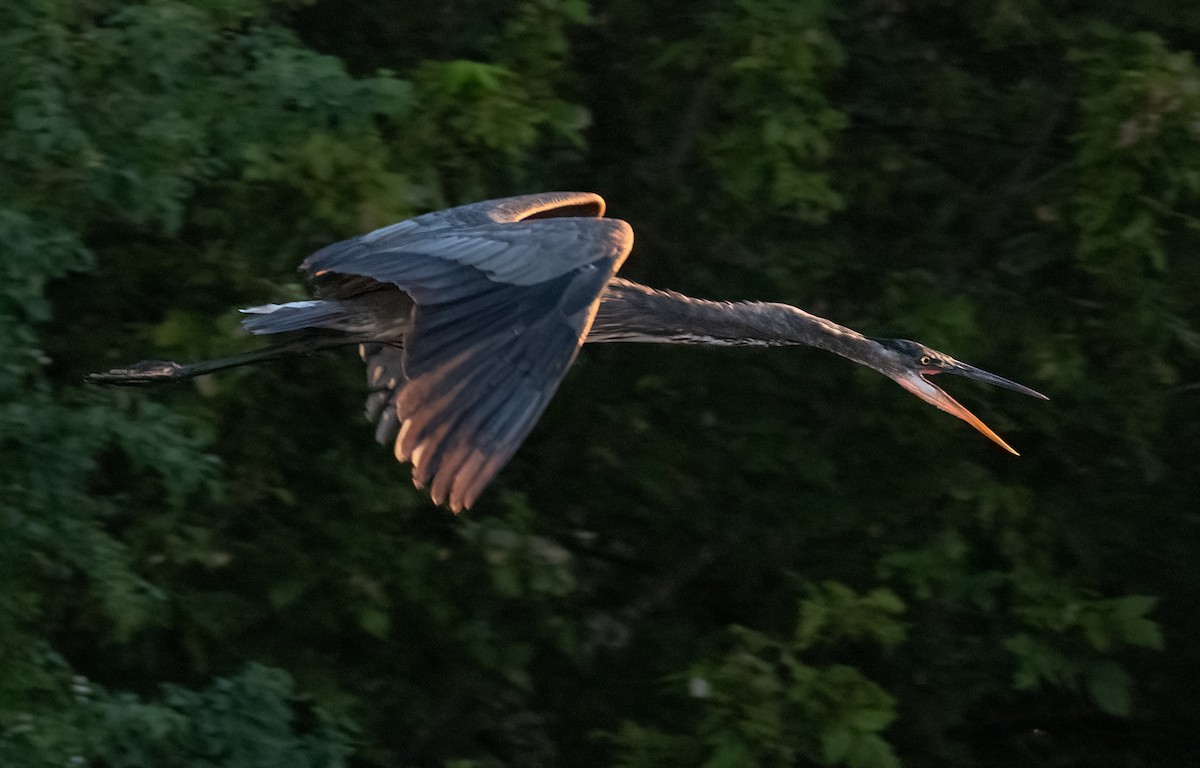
[[631, 312]]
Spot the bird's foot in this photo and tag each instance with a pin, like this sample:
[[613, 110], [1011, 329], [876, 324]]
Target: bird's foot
[[141, 374]]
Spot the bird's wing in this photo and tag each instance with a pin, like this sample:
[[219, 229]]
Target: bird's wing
[[501, 310], [506, 210]]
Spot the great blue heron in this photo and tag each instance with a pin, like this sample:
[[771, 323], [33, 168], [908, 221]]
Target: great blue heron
[[468, 319]]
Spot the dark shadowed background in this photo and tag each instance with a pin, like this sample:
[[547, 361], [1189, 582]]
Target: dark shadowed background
[[722, 558]]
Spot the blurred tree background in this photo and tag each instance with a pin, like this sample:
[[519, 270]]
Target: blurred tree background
[[717, 558]]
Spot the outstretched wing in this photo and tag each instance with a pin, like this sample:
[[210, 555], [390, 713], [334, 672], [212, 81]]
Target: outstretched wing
[[502, 307]]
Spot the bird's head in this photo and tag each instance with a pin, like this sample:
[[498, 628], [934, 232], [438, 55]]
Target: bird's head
[[910, 365]]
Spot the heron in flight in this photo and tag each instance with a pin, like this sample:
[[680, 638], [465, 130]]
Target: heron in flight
[[468, 318]]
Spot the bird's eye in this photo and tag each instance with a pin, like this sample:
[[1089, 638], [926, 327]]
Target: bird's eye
[[926, 359]]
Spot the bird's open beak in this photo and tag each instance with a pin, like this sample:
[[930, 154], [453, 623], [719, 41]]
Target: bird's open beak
[[916, 383]]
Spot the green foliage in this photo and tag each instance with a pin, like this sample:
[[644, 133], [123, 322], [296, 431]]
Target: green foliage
[[763, 705], [520, 562], [776, 124], [241, 722], [834, 613], [1139, 100], [1067, 641], [33, 256], [715, 557]]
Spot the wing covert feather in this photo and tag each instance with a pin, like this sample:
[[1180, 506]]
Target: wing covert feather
[[523, 253]]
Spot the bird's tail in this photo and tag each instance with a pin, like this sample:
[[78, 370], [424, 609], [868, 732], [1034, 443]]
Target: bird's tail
[[297, 316], [310, 326]]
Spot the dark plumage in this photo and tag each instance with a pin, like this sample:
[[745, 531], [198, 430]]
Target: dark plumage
[[468, 319]]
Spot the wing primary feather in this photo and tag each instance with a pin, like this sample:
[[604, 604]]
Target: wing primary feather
[[454, 339], [494, 322], [458, 416], [483, 311], [424, 402], [389, 422], [458, 471], [420, 415], [376, 401], [437, 396], [473, 485]]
